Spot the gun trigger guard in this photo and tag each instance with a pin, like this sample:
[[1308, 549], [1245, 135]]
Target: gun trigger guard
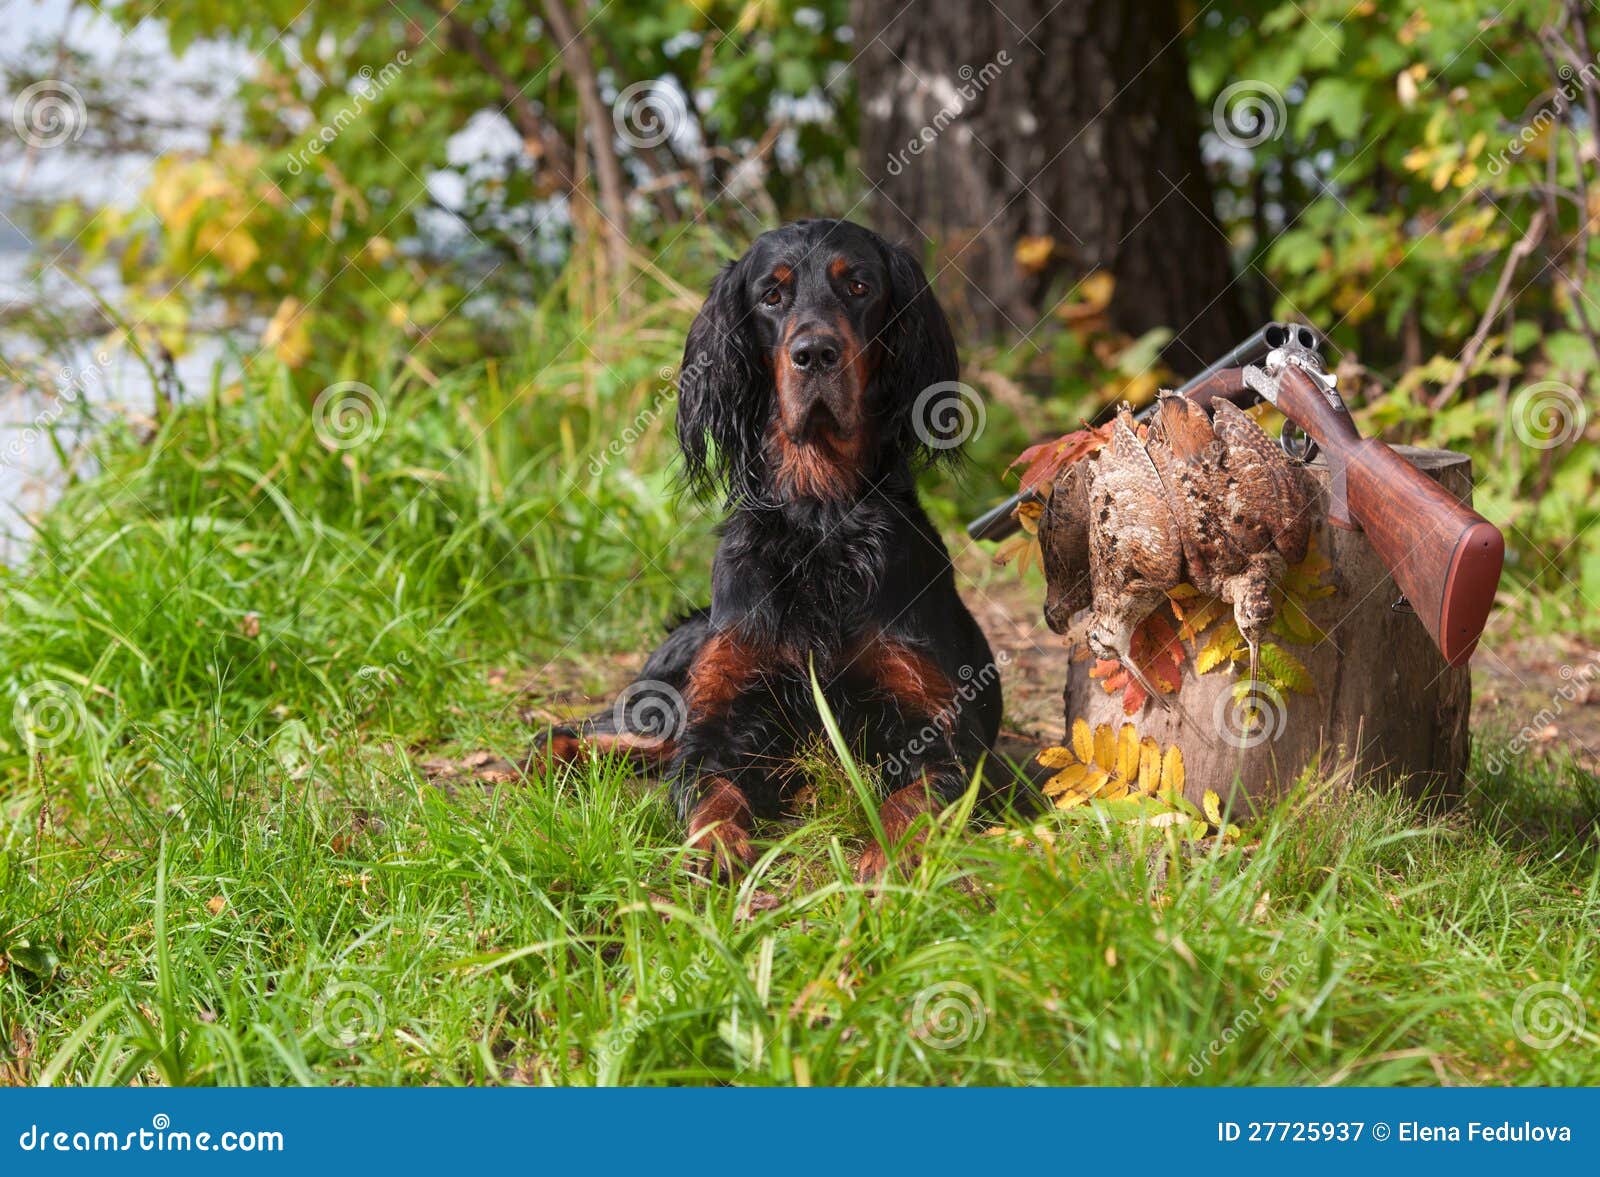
[[1296, 444]]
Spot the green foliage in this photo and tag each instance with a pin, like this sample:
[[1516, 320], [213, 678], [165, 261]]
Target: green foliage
[[1417, 146], [334, 206]]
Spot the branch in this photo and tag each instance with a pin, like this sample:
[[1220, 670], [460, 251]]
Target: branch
[[1520, 250], [532, 125]]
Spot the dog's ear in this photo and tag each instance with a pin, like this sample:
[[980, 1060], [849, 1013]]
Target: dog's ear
[[721, 390], [920, 369]]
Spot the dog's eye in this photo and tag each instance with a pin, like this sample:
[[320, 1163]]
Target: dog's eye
[[772, 297], [856, 287]]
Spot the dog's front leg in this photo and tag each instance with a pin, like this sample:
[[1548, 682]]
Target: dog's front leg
[[712, 757], [928, 707]]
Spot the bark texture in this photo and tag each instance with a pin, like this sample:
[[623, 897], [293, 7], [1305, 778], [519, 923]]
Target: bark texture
[[984, 124]]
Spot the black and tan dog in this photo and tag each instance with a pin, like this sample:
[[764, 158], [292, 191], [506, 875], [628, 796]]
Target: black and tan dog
[[812, 388]]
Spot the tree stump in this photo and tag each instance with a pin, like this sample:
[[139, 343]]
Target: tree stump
[[1386, 702]]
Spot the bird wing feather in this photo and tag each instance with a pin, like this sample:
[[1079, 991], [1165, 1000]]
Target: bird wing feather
[[1268, 499]]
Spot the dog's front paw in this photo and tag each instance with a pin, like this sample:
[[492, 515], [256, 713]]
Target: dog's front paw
[[719, 829], [556, 745], [873, 863]]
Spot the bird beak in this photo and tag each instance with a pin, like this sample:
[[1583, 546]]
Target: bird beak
[[1139, 678]]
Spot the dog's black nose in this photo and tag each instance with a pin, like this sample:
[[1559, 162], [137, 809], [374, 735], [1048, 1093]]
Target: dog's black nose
[[814, 351]]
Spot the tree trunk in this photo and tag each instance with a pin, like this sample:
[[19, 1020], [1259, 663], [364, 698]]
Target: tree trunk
[[983, 124], [1385, 700]]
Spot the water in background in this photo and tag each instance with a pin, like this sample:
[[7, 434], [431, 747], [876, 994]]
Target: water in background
[[84, 378]]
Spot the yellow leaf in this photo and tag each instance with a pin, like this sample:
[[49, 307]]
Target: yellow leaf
[[1149, 765], [1219, 648], [1034, 253], [1055, 758], [1068, 779], [1172, 770], [1094, 782], [1285, 670], [1211, 806], [1082, 740], [1071, 799], [1097, 288], [1127, 753], [287, 334], [1115, 790], [1105, 748]]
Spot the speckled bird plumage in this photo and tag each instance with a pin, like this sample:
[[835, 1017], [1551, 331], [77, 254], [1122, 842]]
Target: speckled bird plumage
[[1134, 545], [1242, 507], [1210, 500]]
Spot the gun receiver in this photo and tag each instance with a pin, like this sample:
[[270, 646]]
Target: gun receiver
[[1444, 556]]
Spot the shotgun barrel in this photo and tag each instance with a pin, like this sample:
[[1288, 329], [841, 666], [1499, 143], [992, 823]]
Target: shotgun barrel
[[1222, 377]]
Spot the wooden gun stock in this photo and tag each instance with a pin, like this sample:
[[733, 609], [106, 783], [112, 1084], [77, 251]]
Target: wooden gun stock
[[1444, 556]]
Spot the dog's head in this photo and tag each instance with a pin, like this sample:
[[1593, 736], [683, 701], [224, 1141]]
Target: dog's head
[[820, 362]]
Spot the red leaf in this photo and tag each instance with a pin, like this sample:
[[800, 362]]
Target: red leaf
[[1044, 462]]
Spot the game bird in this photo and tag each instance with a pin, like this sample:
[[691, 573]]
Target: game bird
[[1114, 514], [1241, 506]]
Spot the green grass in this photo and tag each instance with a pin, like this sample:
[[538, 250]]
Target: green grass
[[222, 861]]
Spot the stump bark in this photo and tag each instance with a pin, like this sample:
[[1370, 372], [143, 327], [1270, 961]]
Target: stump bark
[[1386, 702]]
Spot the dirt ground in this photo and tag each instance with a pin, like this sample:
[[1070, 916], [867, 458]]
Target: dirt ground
[[1542, 694]]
